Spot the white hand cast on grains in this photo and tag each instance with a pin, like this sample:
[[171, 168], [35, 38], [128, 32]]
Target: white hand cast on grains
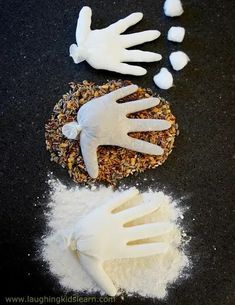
[[112, 129]]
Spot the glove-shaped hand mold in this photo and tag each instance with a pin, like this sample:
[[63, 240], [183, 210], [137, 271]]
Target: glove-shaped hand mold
[[107, 49], [101, 235], [103, 121]]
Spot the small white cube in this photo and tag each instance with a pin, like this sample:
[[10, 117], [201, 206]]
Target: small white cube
[[176, 34], [173, 8], [163, 79], [178, 60]]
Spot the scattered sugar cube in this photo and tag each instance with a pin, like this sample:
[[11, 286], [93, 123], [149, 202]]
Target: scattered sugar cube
[[176, 34], [178, 60], [163, 79], [173, 8]]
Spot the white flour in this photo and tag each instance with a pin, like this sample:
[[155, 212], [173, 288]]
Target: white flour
[[149, 276]]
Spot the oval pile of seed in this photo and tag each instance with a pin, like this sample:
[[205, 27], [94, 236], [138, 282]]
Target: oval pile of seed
[[114, 162]]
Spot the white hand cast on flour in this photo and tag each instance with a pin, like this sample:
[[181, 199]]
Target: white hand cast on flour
[[149, 276], [103, 121], [102, 235], [107, 48]]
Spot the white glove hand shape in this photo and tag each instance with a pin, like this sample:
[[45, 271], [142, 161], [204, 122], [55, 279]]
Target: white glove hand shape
[[101, 235], [102, 121], [106, 48]]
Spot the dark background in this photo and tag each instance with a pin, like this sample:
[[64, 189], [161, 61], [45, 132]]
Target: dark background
[[35, 70]]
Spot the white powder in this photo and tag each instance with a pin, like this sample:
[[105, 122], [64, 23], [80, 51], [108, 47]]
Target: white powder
[[148, 276]]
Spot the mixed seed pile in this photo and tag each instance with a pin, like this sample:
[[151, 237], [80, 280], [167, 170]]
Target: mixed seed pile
[[114, 162]]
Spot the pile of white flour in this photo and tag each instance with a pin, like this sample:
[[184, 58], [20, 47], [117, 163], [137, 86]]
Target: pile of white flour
[[148, 276]]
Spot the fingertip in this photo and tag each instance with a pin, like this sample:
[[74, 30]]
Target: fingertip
[[145, 72], [153, 34], [138, 15], [167, 124], [129, 89], [159, 150], [164, 124], [140, 72], [156, 100], [156, 57], [93, 173], [133, 87], [86, 9], [86, 13], [157, 33]]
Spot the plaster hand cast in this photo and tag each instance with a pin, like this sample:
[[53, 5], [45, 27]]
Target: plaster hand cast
[[103, 121], [101, 235], [107, 49]]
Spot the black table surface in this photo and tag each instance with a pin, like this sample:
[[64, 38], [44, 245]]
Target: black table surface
[[35, 72]]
